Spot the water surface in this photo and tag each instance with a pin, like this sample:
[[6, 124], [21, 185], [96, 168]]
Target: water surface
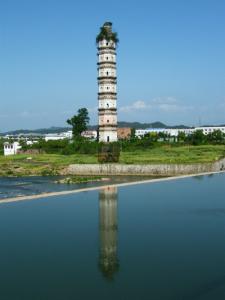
[[163, 240], [34, 185]]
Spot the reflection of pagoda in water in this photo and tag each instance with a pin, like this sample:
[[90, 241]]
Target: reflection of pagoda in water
[[108, 260]]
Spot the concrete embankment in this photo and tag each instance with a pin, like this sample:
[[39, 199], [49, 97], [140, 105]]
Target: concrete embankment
[[145, 169]]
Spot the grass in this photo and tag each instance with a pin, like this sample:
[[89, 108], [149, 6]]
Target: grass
[[172, 154], [53, 164], [79, 179], [40, 164]]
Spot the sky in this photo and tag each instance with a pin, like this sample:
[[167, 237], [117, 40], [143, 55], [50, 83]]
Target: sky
[[170, 60]]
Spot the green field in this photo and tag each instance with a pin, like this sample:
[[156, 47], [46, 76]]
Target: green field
[[179, 154], [50, 164], [40, 164]]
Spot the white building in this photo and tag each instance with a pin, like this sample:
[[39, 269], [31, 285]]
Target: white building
[[53, 137], [68, 134], [142, 132], [207, 130], [89, 134], [173, 132], [58, 136], [11, 148], [107, 79]]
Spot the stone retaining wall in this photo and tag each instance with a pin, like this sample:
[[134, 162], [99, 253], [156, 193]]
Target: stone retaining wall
[[148, 169]]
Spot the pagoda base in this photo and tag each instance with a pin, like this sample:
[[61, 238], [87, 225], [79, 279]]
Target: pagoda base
[[107, 136]]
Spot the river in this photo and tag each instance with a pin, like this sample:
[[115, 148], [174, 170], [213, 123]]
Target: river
[[163, 240]]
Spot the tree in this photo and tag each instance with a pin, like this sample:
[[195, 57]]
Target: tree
[[181, 136], [79, 122], [107, 34], [132, 134], [163, 136], [1, 146], [198, 137], [216, 136]]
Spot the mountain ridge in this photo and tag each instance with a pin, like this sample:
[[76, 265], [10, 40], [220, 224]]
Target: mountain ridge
[[122, 124]]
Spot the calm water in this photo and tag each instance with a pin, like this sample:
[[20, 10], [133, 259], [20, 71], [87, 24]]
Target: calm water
[[152, 241]]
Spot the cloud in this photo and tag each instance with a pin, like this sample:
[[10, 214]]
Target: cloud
[[163, 100], [161, 104], [138, 105]]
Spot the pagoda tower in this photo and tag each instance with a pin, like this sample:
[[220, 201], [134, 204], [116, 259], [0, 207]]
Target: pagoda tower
[[107, 79]]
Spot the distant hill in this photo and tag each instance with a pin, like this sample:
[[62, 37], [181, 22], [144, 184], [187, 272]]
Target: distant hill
[[223, 125], [38, 131], [135, 125]]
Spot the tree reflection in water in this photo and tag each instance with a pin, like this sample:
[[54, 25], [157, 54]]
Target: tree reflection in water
[[108, 260]]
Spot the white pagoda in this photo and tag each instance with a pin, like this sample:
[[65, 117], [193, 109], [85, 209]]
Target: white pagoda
[[107, 94]]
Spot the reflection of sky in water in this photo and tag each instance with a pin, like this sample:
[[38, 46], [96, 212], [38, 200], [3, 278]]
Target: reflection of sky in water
[[153, 241]]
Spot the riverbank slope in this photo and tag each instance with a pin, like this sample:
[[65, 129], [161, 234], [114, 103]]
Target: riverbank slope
[[157, 158]]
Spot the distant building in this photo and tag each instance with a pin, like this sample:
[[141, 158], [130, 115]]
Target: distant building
[[11, 148], [24, 136], [173, 132], [30, 137], [89, 134], [58, 136], [53, 137], [142, 132], [207, 130], [123, 133], [68, 134]]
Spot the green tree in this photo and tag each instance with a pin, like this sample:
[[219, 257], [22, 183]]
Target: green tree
[[79, 122], [107, 34], [181, 136], [216, 136], [1, 146], [132, 135], [198, 137], [163, 136]]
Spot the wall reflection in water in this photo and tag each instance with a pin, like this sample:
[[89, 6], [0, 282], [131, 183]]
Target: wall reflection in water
[[108, 229]]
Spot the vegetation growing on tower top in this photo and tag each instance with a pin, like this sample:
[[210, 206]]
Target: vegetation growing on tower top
[[107, 34]]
